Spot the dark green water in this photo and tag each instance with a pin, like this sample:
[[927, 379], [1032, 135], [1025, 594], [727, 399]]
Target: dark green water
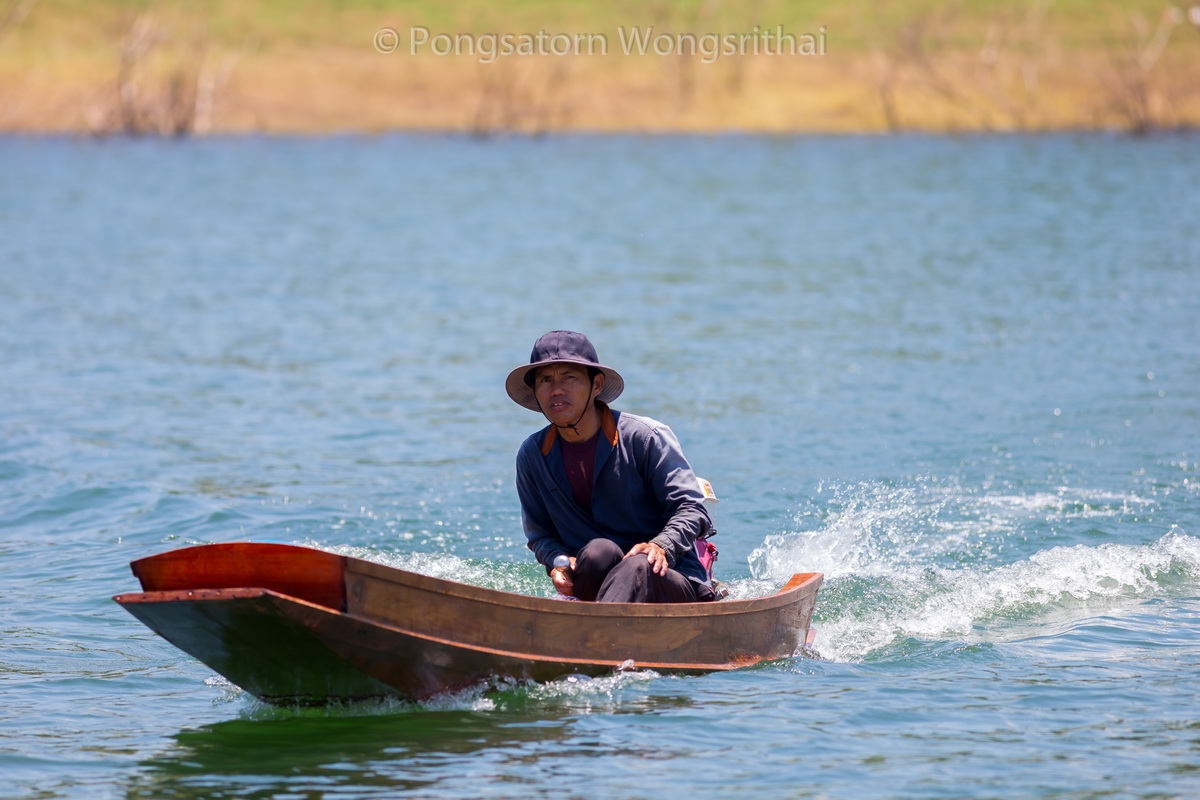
[[958, 376]]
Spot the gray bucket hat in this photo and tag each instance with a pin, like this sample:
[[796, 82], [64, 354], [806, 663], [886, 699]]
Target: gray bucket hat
[[560, 347]]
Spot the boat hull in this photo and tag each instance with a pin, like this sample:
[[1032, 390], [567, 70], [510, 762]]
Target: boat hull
[[296, 625]]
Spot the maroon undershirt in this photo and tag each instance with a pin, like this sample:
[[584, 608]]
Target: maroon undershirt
[[579, 458]]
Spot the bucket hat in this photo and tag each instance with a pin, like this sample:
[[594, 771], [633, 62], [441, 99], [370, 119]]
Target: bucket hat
[[560, 347]]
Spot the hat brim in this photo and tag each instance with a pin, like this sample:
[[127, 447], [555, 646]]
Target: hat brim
[[522, 393]]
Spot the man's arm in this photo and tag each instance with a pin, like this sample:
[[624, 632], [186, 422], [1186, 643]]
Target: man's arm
[[675, 486], [540, 534]]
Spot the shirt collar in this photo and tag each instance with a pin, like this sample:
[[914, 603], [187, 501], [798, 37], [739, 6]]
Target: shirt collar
[[607, 424]]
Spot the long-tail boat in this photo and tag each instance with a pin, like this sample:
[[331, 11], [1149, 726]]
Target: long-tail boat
[[297, 625]]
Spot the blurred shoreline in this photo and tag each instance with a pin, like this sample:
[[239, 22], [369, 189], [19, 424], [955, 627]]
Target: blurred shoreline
[[168, 69]]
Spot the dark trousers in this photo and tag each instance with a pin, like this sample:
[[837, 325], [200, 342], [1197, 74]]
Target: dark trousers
[[603, 574]]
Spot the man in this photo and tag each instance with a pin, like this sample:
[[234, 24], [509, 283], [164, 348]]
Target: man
[[610, 490]]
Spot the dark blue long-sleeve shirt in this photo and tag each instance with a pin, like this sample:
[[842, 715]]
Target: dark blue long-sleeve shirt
[[643, 490]]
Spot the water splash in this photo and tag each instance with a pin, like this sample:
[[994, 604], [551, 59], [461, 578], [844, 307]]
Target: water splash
[[924, 562], [872, 529], [584, 694], [987, 605], [866, 529]]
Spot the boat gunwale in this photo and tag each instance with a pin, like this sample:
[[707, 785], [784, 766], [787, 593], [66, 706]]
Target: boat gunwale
[[799, 586]]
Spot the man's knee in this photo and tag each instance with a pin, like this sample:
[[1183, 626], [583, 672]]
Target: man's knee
[[635, 566], [601, 550], [593, 563]]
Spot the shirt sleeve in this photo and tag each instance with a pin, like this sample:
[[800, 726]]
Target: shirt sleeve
[[678, 492], [540, 534]]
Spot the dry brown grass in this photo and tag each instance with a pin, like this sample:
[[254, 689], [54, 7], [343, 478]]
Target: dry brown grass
[[167, 69]]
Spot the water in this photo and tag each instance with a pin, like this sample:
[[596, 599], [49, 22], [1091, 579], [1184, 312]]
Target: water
[[958, 376]]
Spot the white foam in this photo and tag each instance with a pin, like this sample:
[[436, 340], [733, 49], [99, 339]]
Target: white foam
[[980, 604], [586, 694], [874, 529], [922, 561]]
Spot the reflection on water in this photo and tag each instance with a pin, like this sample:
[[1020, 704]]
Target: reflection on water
[[315, 756], [382, 747]]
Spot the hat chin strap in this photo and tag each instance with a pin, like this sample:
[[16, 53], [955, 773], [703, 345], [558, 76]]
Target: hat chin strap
[[591, 402]]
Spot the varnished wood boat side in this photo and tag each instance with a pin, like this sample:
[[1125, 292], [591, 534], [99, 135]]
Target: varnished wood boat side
[[312, 575], [800, 584], [707, 633], [293, 624], [285, 650]]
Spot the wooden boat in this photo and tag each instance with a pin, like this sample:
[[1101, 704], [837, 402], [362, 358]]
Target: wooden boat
[[295, 625]]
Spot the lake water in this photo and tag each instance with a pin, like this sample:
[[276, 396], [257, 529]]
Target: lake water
[[959, 376]]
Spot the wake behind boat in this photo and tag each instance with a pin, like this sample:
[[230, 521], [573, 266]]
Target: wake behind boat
[[295, 625]]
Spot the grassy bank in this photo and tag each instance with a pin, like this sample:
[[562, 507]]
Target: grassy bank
[[764, 65]]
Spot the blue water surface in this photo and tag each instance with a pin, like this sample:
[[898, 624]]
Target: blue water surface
[[959, 376]]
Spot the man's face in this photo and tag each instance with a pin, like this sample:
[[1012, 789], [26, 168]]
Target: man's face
[[564, 391]]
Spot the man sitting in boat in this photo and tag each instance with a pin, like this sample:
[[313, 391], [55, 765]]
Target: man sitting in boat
[[609, 490]]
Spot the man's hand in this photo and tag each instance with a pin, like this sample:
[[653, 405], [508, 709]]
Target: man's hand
[[562, 581], [654, 554]]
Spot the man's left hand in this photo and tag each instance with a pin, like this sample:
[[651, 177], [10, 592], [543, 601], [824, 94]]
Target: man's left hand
[[654, 554]]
